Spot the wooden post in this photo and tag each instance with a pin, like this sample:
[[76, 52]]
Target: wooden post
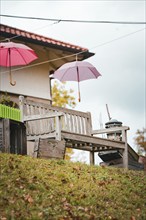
[[7, 135], [89, 124], [92, 159], [125, 152], [36, 147], [1, 136], [58, 128], [21, 106]]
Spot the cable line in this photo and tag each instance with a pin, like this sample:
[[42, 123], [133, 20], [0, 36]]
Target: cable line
[[75, 21], [71, 55], [118, 38]]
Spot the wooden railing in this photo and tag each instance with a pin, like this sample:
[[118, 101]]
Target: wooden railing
[[42, 119]]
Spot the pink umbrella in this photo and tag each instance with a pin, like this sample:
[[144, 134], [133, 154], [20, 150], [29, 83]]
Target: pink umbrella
[[76, 71], [14, 54]]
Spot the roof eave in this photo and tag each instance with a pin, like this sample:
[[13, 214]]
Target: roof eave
[[85, 53]]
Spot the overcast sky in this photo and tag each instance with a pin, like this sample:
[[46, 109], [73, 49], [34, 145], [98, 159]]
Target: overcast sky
[[119, 58]]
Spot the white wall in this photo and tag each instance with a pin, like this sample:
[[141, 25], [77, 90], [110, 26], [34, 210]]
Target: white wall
[[33, 81]]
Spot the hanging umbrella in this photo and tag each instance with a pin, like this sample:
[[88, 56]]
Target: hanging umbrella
[[76, 71], [14, 54]]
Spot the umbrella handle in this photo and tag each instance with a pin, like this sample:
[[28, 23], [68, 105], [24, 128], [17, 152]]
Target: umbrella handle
[[12, 83], [79, 95], [79, 99], [10, 75]]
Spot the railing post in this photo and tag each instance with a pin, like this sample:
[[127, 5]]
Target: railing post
[[125, 152], [58, 128], [6, 127], [89, 124], [21, 106], [36, 147]]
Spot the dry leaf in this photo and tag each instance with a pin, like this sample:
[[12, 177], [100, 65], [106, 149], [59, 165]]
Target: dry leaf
[[63, 199], [71, 185], [28, 198]]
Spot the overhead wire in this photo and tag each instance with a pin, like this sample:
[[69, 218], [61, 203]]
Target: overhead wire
[[118, 38], [75, 21], [56, 21]]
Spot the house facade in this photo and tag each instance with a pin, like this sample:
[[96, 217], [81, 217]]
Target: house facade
[[33, 81]]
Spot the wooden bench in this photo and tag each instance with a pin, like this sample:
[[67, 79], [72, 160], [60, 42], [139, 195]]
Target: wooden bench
[[46, 121], [72, 127]]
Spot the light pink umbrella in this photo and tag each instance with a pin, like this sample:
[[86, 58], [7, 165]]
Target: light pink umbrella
[[14, 54], [76, 71]]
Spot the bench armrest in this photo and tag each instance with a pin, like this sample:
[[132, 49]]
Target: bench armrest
[[110, 130]]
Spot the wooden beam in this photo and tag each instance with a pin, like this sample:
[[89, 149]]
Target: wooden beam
[[42, 116], [110, 130], [78, 146], [51, 64], [104, 148], [41, 136], [93, 140]]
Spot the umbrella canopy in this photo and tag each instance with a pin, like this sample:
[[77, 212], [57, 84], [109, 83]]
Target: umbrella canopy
[[76, 71], [14, 54]]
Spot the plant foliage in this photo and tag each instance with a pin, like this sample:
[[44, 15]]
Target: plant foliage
[[6, 100], [140, 141], [63, 98]]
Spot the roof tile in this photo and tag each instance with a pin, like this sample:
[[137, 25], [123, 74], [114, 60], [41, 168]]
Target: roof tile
[[39, 38]]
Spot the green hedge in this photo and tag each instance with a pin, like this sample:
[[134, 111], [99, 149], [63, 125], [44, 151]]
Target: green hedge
[[9, 112]]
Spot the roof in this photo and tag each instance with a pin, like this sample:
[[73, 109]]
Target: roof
[[11, 32], [113, 122]]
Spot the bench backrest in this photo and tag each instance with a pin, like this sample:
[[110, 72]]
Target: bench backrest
[[72, 120]]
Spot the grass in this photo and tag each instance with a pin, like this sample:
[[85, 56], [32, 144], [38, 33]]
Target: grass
[[61, 190]]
